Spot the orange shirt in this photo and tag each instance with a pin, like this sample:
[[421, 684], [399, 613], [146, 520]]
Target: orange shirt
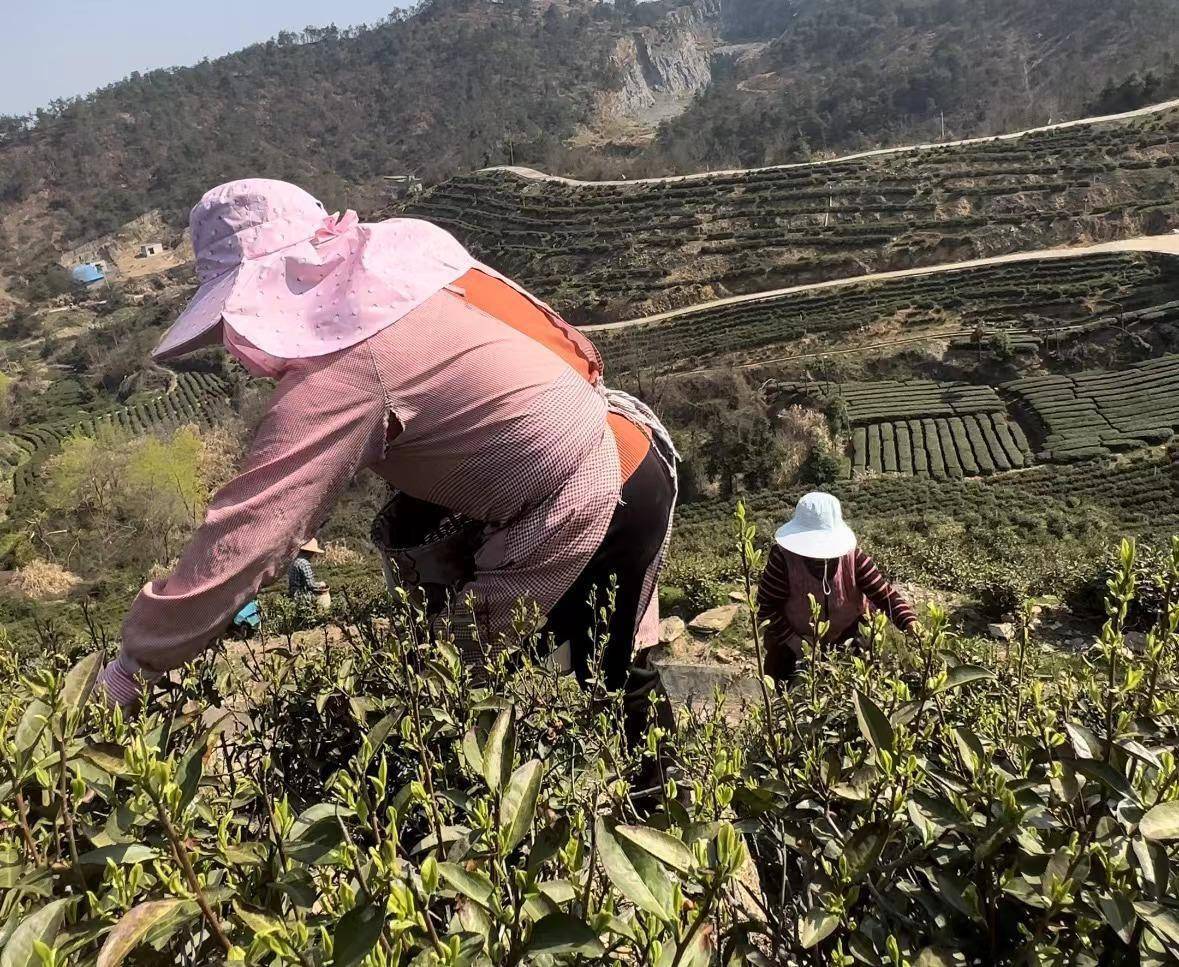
[[499, 299]]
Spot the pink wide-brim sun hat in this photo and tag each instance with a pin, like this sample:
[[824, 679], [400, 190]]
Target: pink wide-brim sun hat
[[297, 282]]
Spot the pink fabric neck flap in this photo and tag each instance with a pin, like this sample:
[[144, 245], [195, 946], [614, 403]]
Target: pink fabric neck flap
[[294, 281]]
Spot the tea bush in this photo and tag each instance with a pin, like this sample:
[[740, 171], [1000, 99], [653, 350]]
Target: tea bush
[[352, 794]]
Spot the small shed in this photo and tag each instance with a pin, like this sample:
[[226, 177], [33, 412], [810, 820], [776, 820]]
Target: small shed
[[150, 249], [402, 186], [88, 273]]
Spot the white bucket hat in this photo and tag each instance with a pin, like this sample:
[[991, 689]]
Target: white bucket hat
[[817, 529]]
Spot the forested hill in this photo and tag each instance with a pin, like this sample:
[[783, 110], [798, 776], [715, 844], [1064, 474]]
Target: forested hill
[[839, 76], [451, 86], [455, 85]]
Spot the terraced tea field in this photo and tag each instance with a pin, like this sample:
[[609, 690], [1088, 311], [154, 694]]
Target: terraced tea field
[[1039, 295], [199, 398], [1092, 414], [924, 429], [612, 251], [1138, 493]]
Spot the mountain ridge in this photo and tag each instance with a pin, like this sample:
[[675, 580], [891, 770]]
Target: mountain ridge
[[582, 87]]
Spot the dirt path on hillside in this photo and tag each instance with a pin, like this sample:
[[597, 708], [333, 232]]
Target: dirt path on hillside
[[535, 175], [1160, 244]]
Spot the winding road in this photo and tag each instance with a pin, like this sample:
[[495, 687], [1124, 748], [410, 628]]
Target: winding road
[[534, 175], [1160, 244]]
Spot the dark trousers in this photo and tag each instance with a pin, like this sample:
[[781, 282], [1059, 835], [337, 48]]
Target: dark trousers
[[632, 541]]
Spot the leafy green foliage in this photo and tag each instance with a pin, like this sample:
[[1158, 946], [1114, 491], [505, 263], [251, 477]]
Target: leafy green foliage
[[361, 800]]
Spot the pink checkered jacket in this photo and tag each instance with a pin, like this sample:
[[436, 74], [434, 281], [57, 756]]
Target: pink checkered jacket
[[450, 405]]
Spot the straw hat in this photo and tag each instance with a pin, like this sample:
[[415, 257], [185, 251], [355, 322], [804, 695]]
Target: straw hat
[[817, 529], [311, 547]]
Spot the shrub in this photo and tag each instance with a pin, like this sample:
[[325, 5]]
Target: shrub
[[367, 802], [43, 580], [127, 500], [339, 554]]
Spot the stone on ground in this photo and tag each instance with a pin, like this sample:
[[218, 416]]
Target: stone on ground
[[671, 629], [1003, 631], [714, 621], [695, 685]]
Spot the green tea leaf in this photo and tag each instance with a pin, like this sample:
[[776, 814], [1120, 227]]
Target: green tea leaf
[[539, 906], [475, 885], [1118, 911], [560, 933], [107, 756], [953, 891], [519, 803], [816, 927], [120, 853], [471, 751], [260, 922], [475, 919], [547, 843], [863, 848], [1139, 751], [1164, 921], [1086, 745], [623, 873], [937, 957], [970, 747], [42, 925], [697, 953], [874, 724], [1107, 774], [500, 750], [661, 845], [189, 772], [1152, 863], [376, 738], [961, 675], [313, 842], [80, 681], [1161, 823], [1069, 785], [905, 713], [357, 933], [133, 929], [32, 724], [12, 866]]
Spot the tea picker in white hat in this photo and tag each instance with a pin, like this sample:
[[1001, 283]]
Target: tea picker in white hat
[[815, 553]]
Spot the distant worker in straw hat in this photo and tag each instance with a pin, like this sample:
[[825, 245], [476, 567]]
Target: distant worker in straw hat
[[815, 553], [302, 585], [517, 473]]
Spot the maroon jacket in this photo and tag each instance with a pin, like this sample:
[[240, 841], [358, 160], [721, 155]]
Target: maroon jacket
[[854, 582]]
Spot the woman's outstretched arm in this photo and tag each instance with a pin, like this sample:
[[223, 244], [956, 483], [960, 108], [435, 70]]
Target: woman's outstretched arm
[[326, 421], [883, 595]]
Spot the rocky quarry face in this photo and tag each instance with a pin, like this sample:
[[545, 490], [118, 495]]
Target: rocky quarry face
[[663, 66]]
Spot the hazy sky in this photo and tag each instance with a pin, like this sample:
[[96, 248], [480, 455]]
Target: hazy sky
[[59, 48]]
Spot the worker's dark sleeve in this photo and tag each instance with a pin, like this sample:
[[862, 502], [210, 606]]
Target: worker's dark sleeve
[[772, 594], [884, 596]]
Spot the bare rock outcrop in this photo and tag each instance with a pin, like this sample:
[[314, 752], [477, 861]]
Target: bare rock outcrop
[[663, 66]]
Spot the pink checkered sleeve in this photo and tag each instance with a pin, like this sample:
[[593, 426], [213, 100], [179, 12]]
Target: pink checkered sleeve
[[326, 421]]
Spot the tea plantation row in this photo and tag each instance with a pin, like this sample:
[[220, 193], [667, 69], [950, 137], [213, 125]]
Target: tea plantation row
[[1136, 493], [196, 398], [1091, 414], [944, 448], [1095, 290], [609, 251]]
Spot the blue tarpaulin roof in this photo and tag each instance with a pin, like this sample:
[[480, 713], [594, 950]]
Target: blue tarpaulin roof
[[88, 272]]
